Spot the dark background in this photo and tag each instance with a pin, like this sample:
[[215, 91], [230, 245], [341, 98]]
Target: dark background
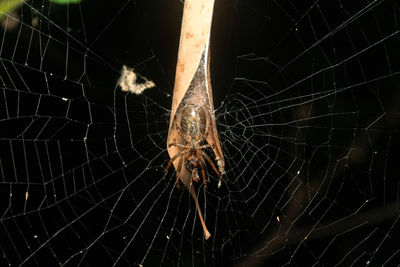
[[307, 100]]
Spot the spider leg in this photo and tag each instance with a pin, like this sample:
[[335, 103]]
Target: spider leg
[[203, 172], [218, 156], [211, 137], [180, 164], [212, 165], [172, 160], [178, 145], [178, 181], [203, 224], [207, 146]]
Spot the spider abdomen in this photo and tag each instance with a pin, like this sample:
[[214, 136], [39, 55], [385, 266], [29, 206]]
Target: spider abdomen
[[193, 123]]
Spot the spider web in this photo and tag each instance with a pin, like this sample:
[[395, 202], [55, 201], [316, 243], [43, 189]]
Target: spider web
[[307, 109]]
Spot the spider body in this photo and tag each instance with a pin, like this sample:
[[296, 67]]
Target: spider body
[[192, 125]]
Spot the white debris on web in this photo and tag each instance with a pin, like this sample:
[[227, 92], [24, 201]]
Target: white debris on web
[[128, 81]]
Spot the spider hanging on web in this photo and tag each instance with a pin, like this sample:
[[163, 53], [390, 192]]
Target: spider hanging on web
[[193, 126], [194, 130]]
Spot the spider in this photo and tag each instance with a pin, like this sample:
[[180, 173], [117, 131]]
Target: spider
[[193, 127]]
